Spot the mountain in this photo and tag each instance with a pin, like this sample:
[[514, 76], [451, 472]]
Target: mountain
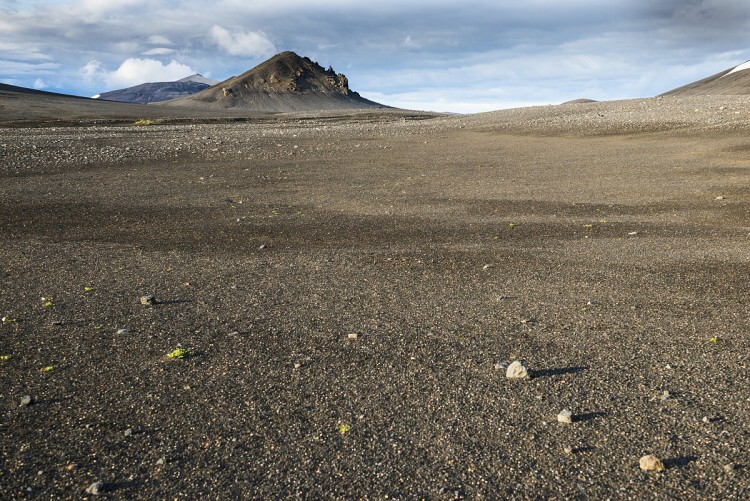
[[155, 92], [197, 78], [734, 81], [284, 83]]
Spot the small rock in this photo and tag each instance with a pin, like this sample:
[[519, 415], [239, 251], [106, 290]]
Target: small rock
[[729, 468], [633, 233], [128, 432], [720, 197], [486, 267], [262, 246], [26, 401], [96, 489], [352, 335], [501, 366], [651, 463], [297, 365], [517, 370], [568, 450], [706, 419], [565, 417], [161, 461], [148, 300], [665, 396], [122, 331]]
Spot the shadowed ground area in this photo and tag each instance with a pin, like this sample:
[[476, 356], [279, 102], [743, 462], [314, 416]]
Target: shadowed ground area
[[604, 244]]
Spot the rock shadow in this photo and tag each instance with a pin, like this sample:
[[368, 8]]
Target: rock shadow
[[588, 416], [679, 461], [557, 372]]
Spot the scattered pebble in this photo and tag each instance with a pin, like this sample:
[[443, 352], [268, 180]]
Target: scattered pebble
[[486, 267], [122, 331], [352, 335], [297, 365], [565, 416], [148, 300], [729, 468], [128, 432], [517, 370], [96, 489], [26, 401], [665, 396], [262, 246], [651, 463], [632, 233], [568, 450], [161, 461], [501, 366], [720, 197]]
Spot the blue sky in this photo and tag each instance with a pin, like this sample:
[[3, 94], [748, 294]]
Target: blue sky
[[465, 56]]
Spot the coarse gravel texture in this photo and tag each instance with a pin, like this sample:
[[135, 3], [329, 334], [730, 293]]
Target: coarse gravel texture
[[587, 240]]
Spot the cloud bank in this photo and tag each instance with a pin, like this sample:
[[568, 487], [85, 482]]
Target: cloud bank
[[467, 56], [134, 71]]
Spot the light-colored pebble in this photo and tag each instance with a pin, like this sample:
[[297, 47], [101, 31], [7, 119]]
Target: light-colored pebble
[[565, 416], [517, 370], [96, 489], [651, 463]]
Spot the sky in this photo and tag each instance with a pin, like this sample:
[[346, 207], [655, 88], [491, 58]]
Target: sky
[[443, 55]]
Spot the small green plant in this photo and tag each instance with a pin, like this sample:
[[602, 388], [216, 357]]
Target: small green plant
[[144, 121], [180, 353], [49, 368], [8, 320], [88, 289], [3, 358], [344, 428], [713, 339], [47, 302]]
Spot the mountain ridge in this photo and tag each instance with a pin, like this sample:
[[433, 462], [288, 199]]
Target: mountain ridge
[[734, 81], [284, 83]]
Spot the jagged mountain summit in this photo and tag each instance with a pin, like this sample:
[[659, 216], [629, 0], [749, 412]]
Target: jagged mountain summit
[[732, 82], [284, 83], [154, 92]]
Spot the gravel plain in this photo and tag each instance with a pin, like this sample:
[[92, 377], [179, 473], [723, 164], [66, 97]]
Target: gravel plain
[[604, 244]]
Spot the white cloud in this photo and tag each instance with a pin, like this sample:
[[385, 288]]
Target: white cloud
[[90, 70], [158, 51], [39, 84], [410, 43], [134, 71], [159, 40], [241, 43]]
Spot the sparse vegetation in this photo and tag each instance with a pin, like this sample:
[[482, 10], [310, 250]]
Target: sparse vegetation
[[180, 353], [144, 121]]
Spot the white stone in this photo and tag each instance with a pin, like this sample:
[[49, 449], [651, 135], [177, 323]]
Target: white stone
[[651, 463], [517, 370], [565, 417]]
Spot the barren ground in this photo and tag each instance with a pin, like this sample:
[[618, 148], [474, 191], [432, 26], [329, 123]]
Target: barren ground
[[604, 244]]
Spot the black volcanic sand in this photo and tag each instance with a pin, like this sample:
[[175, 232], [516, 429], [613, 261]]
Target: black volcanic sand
[[592, 247]]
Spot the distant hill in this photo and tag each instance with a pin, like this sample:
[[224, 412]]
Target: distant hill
[[155, 92], [284, 83], [734, 82]]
